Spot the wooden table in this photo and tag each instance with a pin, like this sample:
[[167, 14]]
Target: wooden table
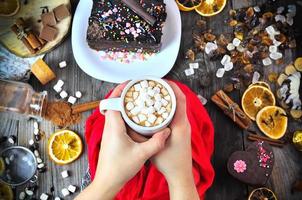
[[228, 137]]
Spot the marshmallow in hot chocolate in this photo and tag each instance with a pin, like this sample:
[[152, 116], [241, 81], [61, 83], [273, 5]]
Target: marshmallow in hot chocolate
[[148, 103]]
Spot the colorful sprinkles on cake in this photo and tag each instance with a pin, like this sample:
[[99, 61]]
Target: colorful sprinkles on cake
[[112, 21], [124, 57]]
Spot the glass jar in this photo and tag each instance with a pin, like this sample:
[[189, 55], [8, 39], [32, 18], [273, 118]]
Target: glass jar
[[20, 98]]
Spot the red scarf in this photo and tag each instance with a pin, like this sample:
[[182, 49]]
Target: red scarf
[[149, 183]]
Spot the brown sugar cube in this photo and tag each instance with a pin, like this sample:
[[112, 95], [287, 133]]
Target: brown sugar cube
[[48, 33], [61, 12], [42, 71], [48, 19]]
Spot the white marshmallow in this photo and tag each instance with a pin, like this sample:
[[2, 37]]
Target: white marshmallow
[[162, 110], [150, 92], [43, 196], [144, 111], [57, 88], [150, 110], [236, 42], [129, 106], [156, 90], [65, 192], [157, 105], [194, 65], [165, 115], [159, 120], [60, 83], [144, 84], [135, 110], [137, 87], [72, 99], [63, 94], [36, 131], [36, 125], [78, 94], [149, 102], [157, 97], [139, 102], [57, 198], [39, 160], [142, 117], [167, 97], [135, 119], [64, 174], [151, 118], [72, 188], [164, 102], [62, 64], [31, 142]]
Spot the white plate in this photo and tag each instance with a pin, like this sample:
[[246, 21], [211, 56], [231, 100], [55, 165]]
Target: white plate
[[113, 71]]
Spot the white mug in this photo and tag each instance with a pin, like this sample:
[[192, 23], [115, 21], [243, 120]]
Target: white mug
[[117, 104]]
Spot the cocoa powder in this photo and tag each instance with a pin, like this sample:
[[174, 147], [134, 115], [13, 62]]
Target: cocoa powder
[[60, 113]]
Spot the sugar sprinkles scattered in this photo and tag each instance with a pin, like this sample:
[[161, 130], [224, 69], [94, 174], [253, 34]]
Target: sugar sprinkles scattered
[[264, 157], [125, 57]]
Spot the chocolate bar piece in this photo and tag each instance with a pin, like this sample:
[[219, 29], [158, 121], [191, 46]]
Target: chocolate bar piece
[[115, 27], [61, 12], [48, 33], [139, 10], [48, 19]]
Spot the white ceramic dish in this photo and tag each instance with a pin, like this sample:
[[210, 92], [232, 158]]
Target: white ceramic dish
[[113, 71], [118, 105]]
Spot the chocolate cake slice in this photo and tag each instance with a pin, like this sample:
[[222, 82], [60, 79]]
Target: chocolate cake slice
[[115, 27]]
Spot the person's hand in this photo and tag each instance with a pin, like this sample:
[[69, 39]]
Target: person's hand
[[175, 160], [120, 157]]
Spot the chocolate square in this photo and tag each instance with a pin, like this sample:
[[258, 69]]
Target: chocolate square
[[48, 33], [61, 12], [48, 19]]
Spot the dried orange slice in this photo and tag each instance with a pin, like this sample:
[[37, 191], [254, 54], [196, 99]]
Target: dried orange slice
[[261, 83], [64, 147], [188, 5], [262, 194], [272, 121], [6, 192], [209, 8], [9, 7], [255, 98]]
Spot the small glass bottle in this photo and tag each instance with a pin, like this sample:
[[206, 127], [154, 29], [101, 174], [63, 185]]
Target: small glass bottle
[[20, 98]]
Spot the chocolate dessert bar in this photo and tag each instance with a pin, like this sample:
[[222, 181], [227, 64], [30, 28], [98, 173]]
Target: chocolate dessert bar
[[115, 27]]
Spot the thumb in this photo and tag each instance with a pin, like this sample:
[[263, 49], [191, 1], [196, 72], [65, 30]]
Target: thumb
[[155, 144]]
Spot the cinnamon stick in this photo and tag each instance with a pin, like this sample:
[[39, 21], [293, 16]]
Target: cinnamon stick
[[266, 138], [79, 108], [14, 28], [269, 142], [231, 109], [31, 38]]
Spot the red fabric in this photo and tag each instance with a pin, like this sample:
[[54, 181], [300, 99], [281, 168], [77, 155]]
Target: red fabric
[[149, 183]]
